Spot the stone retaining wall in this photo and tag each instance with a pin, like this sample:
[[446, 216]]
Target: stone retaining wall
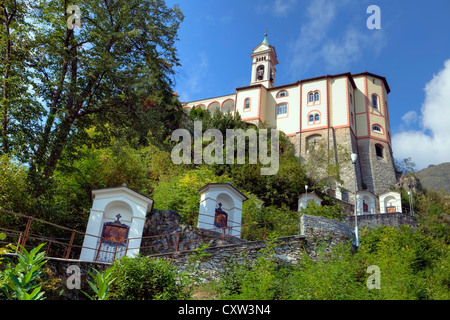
[[314, 226], [315, 232], [387, 219], [287, 250]]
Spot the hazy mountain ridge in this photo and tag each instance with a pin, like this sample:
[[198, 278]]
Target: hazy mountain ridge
[[435, 177]]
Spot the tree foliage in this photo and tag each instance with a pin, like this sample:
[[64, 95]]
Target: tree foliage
[[116, 69]]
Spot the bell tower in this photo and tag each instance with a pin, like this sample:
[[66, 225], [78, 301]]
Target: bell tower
[[264, 60]]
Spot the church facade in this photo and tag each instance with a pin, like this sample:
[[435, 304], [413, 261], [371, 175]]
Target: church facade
[[350, 110]]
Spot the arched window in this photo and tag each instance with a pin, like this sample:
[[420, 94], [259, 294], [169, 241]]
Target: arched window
[[282, 93], [213, 106], [227, 106], [374, 101], [316, 96], [247, 104], [314, 118], [312, 142], [377, 128]]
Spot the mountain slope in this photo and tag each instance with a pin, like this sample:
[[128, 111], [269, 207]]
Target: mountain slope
[[435, 177]]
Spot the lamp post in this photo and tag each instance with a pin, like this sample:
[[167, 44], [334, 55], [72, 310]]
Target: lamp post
[[299, 217], [306, 197], [411, 199], [354, 157], [411, 202]]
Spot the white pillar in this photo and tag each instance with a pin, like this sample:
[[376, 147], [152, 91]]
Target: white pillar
[[93, 233]]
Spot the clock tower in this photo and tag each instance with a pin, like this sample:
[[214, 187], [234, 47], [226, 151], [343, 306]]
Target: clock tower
[[264, 60]]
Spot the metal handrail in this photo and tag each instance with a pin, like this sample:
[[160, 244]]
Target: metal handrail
[[23, 236]]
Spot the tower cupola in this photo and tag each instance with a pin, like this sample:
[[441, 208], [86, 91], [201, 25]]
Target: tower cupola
[[264, 60]]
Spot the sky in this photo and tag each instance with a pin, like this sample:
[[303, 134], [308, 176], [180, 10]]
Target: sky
[[319, 37]]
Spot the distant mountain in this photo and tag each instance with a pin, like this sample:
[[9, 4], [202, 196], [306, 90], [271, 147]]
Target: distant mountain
[[435, 177]]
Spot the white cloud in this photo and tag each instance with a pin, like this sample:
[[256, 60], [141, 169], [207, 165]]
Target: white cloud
[[315, 46], [341, 53], [431, 144], [410, 118], [218, 19], [282, 7], [279, 8], [194, 78]]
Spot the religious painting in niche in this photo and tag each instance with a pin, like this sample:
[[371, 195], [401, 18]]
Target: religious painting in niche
[[391, 209], [365, 207], [115, 232], [220, 217]]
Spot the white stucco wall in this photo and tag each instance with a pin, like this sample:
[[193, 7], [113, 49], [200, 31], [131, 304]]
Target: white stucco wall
[[107, 203], [231, 200]]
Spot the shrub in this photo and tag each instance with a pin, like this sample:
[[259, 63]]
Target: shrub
[[13, 185], [144, 278], [252, 280], [22, 281], [333, 211], [101, 284], [337, 275]]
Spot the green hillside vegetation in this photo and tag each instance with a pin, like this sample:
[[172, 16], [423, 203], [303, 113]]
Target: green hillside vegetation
[[413, 264], [435, 177], [95, 109]]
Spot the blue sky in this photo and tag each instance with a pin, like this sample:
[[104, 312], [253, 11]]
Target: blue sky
[[318, 37]]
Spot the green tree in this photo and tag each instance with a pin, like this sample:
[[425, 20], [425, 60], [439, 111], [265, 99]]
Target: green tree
[[433, 214], [180, 192], [16, 101], [117, 68], [102, 163], [404, 166], [13, 186]]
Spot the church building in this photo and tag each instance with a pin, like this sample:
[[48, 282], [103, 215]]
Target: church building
[[350, 110]]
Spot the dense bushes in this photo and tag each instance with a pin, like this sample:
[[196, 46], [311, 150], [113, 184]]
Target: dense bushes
[[412, 266], [143, 278], [13, 184]]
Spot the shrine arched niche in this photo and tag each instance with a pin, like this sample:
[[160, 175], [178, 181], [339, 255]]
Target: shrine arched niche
[[224, 212], [117, 219], [118, 207]]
